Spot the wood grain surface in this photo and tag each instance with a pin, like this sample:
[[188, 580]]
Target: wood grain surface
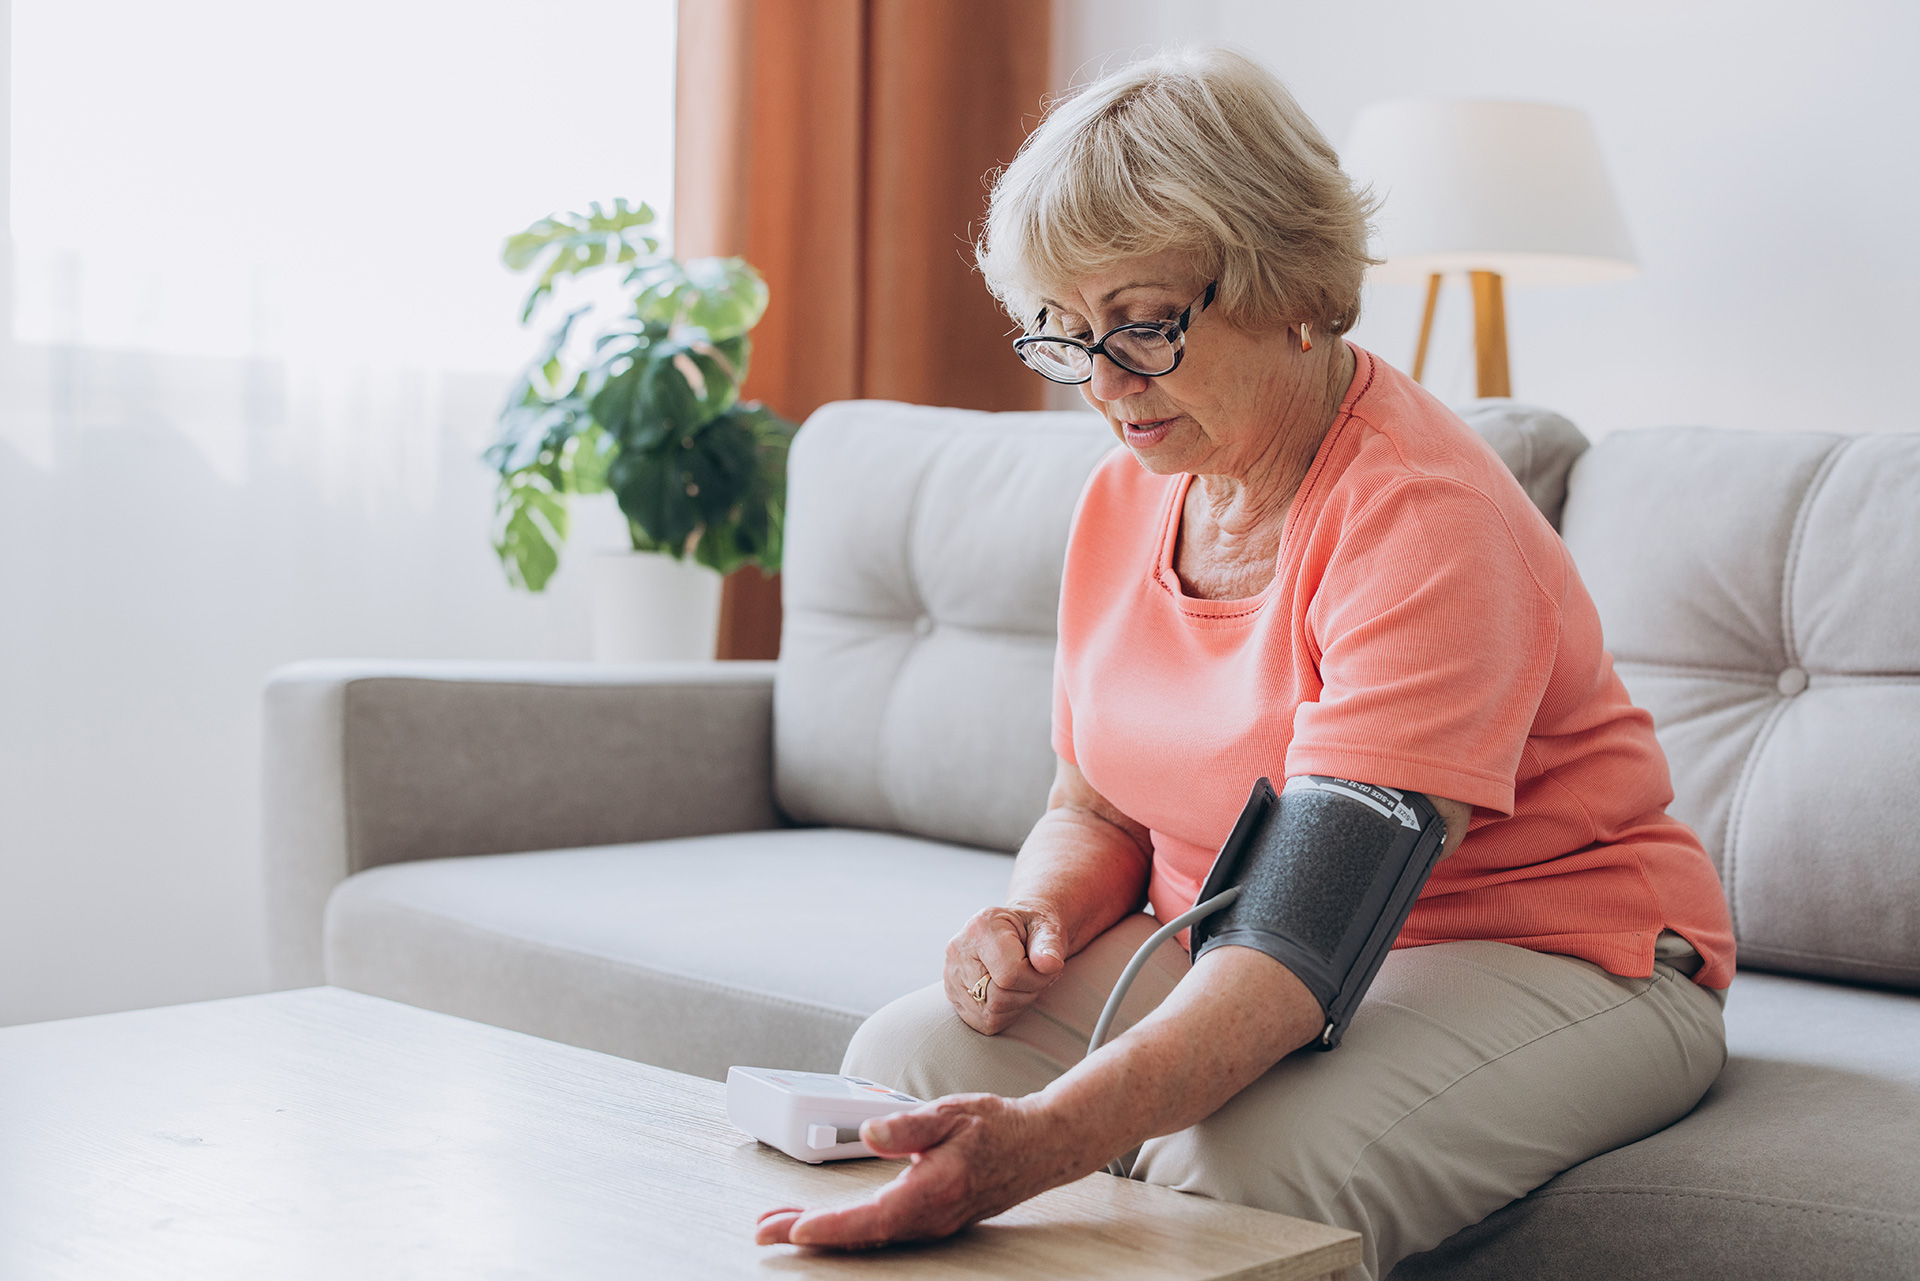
[[326, 1134]]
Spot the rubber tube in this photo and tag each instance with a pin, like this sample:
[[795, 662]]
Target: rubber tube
[[1198, 912]]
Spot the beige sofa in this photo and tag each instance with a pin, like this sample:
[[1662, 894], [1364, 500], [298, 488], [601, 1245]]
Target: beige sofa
[[703, 865]]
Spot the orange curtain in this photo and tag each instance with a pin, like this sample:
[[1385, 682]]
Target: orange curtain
[[841, 147]]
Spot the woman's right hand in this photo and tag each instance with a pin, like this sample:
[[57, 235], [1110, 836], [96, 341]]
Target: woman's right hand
[[1020, 951]]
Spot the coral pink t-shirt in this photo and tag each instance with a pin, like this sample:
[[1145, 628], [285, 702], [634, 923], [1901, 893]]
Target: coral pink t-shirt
[[1426, 630]]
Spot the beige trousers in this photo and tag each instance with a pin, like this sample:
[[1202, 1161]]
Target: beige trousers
[[1471, 1074]]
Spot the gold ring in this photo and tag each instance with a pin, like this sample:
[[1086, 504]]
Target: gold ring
[[979, 990]]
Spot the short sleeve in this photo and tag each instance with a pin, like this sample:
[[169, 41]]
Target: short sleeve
[[1435, 640]]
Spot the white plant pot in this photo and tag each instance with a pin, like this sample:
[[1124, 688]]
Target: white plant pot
[[649, 607]]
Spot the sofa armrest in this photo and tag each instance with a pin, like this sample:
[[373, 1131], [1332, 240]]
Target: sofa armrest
[[368, 763]]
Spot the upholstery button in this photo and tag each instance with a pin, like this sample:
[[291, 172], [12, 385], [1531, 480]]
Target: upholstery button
[[1791, 682]]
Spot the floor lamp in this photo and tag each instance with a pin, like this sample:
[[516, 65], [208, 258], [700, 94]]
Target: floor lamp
[[1502, 192]]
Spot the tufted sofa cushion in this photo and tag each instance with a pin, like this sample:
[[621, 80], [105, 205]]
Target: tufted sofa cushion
[[921, 586], [1537, 445], [1761, 597]]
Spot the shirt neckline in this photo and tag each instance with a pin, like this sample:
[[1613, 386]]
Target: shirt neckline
[[1175, 503]]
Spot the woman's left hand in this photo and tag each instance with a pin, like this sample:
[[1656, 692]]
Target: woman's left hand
[[974, 1155]]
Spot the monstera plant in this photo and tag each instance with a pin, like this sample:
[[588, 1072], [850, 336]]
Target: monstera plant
[[642, 398]]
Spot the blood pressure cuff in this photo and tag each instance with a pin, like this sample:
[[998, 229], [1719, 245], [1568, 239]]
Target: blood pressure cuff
[[1328, 871]]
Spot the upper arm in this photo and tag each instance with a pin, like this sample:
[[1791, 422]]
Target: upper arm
[[1456, 815], [1072, 792], [1434, 642]]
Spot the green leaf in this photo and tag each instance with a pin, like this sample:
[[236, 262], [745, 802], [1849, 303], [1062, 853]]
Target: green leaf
[[642, 542], [673, 388], [534, 431], [736, 351], [725, 297], [668, 405], [750, 445], [710, 375], [722, 296], [544, 377], [721, 462], [718, 493], [766, 501], [616, 406], [573, 243], [548, 359], [586, 462], [657, 287], [654, 496], [530, 523]]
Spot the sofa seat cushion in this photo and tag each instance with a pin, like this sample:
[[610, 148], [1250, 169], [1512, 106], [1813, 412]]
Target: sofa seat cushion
[[1802, 1160], [764, 948]]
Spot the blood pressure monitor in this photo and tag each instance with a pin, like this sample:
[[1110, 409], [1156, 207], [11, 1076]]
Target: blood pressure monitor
[[811, 1116]]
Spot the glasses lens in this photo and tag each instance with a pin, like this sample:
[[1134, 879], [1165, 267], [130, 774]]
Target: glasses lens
[[1142, 349], [1061, 361]]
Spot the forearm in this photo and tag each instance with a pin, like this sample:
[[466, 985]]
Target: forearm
[[975, 1155], [1236, 1014], [1083, 870]]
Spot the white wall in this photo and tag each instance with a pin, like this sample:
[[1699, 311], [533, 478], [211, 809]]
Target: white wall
[[1767, 156]]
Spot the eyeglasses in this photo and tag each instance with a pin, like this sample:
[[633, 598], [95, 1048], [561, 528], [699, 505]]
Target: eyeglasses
[[1149, 348]]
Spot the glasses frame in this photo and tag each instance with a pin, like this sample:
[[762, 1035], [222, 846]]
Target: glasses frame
[[1174, 331]]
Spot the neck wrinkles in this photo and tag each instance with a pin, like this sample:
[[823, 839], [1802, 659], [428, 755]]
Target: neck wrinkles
[[1245, 507]]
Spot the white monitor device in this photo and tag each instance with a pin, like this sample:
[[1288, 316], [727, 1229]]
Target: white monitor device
[[811, 1116]]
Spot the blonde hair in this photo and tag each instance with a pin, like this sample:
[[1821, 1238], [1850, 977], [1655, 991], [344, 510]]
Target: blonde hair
[[1201, 151]]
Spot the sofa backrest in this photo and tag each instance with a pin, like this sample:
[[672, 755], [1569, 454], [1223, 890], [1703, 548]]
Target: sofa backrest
[[1760, 593], [1538, 446], [921, 585]]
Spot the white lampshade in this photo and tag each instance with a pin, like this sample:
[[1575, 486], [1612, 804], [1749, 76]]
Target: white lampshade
[[1513, 187]]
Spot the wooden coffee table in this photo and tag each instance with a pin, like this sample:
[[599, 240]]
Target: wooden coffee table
[[326, 1134]]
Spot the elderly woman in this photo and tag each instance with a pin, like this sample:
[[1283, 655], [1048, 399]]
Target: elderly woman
[[1300, 563]]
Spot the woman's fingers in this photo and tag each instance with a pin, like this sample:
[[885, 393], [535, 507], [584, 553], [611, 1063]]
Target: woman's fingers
[[1001, 1006], [995, 945], [905, 1133], [1001, 947], [914, 1205], [907, 1209], [1046, 946], [775, 1225], [992, 1015], [930, 1198], [974, 1156]]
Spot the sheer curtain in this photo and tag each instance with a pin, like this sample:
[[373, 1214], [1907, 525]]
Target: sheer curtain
[[257, 332]]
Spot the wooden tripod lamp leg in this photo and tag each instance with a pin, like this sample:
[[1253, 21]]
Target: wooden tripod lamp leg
[[1490, 335], [1426, 326]]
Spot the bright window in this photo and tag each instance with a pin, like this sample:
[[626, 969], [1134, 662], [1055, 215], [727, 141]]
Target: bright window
[[259, 335], [324, 184]]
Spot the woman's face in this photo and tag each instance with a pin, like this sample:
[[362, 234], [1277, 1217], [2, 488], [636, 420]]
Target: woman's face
[[1222, 410]]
